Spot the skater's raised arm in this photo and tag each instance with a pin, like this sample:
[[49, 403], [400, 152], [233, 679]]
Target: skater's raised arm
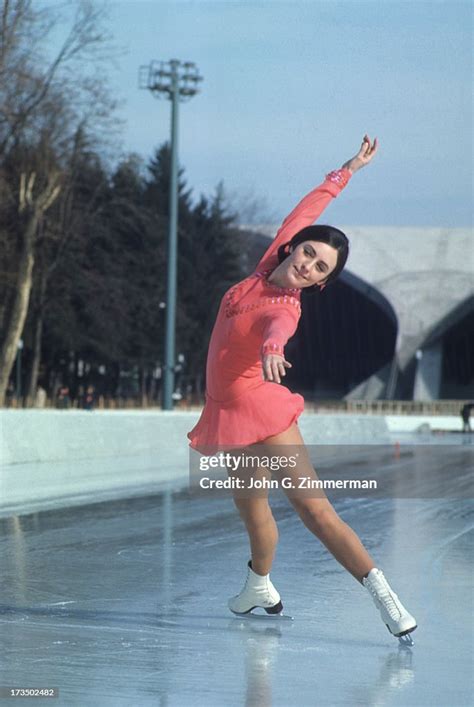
[[314, 203], [305, 213]]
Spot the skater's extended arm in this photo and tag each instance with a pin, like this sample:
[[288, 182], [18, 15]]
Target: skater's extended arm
[[314, 203], [279, 326]]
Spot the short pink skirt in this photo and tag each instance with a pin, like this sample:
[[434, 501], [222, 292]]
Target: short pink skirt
[[260, 412]]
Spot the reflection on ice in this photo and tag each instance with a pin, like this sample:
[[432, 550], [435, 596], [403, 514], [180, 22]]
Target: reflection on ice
[[125, 602]]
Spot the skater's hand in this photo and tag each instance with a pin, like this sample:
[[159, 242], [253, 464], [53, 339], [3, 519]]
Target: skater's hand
[[274, 367], [364, 156]]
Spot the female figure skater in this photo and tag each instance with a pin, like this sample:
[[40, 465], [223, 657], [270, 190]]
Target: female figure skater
[[246, 405]]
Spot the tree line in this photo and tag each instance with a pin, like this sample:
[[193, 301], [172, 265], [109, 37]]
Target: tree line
[[83, 244]]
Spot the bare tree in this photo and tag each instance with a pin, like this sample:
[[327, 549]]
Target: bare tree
[[29, 75], [43, 100], [55, 237], [31, 208]]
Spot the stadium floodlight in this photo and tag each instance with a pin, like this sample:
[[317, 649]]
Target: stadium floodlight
[[179, 81]]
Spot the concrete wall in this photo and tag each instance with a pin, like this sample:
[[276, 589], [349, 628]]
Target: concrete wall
[[58, 458], [428, 373]]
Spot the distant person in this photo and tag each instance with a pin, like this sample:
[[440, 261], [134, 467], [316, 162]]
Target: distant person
[[89, 398], [466, 417], [63, 400], [245, 405]]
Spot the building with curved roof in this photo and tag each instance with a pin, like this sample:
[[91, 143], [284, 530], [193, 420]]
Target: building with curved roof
[[398, 324]]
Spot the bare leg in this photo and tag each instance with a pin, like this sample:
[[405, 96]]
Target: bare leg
[[318, 514], [262, 529]]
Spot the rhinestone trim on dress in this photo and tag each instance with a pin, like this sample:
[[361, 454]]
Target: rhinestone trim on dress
[[265, 274], [339, 177], [232, 309], [272, 348]]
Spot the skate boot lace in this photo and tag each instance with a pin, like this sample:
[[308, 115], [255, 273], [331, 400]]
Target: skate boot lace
[[385, 596], [264, 592]]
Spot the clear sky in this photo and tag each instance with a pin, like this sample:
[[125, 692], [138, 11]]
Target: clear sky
[[289, 90]]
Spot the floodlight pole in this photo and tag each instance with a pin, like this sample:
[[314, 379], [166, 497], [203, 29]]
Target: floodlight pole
[[170, 332], [178, 81]]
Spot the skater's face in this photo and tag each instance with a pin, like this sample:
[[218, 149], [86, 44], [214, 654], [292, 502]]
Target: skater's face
[[309, 263]]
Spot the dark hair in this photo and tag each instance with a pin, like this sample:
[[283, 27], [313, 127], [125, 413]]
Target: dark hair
[[324, 234]]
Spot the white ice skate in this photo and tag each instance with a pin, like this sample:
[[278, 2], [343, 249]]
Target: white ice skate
[[258, 591], [398, 620]]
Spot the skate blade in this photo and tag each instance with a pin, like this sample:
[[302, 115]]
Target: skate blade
[[406, 641], [254, 616]]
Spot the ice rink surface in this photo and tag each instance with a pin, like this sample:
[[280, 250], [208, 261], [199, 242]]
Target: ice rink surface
[[125, 602]]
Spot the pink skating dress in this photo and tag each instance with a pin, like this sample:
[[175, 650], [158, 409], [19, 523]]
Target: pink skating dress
[[256, 317]]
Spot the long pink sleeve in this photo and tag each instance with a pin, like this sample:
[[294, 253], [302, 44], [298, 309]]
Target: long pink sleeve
[[279, 326], [305, 213]]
